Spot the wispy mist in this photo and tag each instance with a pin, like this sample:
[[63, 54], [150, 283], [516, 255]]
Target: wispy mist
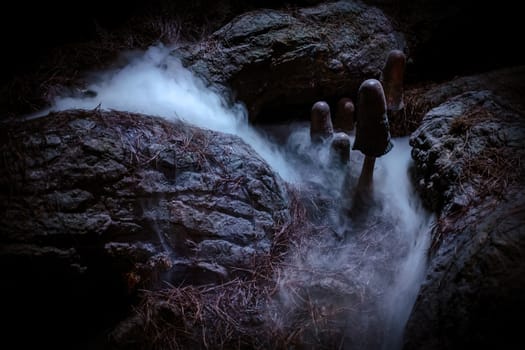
[[363, 276], [365, 273], [155, 83]]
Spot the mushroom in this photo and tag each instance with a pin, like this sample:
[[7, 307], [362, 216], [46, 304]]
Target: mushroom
[[340, 147], [372, 132], [344, 114], [392, 79], [321, 123]]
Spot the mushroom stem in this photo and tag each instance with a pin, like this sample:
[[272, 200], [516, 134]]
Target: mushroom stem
[[365, 182], [372, 137], [363, 194]]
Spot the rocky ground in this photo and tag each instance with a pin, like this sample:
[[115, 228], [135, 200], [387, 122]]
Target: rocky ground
[[469, 154], [97, 205]]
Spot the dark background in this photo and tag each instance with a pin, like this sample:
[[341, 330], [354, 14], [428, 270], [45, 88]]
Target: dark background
[[453, 37]]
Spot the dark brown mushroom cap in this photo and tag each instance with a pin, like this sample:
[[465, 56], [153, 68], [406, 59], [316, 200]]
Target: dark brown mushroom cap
[[394, 69], [392, 79], [344, 114], [372, 136], [340, 146], [321, 121]]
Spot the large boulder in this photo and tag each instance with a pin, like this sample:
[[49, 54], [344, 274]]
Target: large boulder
[[469, 153], [280, 62], [96, 205], [438, 127]]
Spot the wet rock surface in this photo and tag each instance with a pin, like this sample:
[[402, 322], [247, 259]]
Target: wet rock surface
[[283, 61], [96, 205], [469, 153]]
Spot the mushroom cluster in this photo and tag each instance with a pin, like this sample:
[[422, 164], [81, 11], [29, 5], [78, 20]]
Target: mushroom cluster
[[375, 99]]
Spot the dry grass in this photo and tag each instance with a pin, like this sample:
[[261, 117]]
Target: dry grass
[[488, 174], [238, 314], [190, 317], [407, 120], [462, 124], [493, 169], [491, 173]]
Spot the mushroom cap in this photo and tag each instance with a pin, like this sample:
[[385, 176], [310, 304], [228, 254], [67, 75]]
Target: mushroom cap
[[340, 146], [392, 79], [394, 69], [372, 129], [321, 121], [344, 114]]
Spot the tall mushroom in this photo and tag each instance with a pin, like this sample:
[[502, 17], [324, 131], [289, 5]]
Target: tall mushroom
[[344, 114], [372, 133], [321, 122], [392, 80]]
